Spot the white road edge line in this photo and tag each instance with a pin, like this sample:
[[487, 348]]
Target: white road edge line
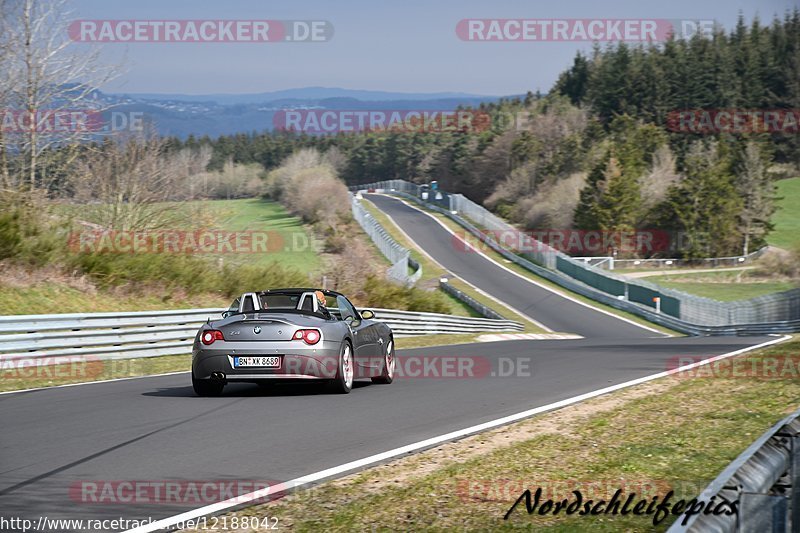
[[476, 289], [529, 280], [207, 510], [98, 381]]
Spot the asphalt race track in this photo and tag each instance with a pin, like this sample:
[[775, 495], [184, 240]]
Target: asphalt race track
[[548, 308], [156, 429]]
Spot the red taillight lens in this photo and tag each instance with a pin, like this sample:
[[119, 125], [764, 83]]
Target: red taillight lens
[[211, 335], [309, 336]]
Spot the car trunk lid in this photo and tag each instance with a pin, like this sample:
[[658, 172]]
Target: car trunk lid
[[258, 327]]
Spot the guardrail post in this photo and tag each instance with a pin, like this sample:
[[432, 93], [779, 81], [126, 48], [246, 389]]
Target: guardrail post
[[762, 513]]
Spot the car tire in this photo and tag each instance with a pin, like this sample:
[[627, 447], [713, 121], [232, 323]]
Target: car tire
[[389, 364], [207, 387], [345, 372]]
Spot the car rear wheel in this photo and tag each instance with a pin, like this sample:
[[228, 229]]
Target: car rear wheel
[[343, 382], [389, 364], [207, 387]]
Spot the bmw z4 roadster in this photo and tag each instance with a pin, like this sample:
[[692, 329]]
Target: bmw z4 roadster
[[292, 334]]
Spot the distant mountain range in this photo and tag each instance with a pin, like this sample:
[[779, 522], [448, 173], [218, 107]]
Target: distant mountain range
[[223, 114], [304, 93]]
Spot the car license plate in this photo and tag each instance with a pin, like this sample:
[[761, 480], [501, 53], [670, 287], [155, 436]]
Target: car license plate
[[257, 361]]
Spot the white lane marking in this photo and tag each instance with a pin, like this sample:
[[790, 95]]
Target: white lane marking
[[494, 337], [475, 288], [427, 443], [98, 381], [529, 280]]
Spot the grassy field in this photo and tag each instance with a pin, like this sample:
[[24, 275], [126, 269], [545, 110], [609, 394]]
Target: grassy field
[[787, 218], [295, 246], [591, 446], [288, 241], [723, 286]]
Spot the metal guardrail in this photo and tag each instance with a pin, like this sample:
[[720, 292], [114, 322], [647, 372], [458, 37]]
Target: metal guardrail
[[772, 313], [484, 310], [763, 480], [399, 256], [413, 323], [41, 339]]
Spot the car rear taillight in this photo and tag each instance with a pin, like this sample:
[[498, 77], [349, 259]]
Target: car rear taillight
[[211, 335], [309, 336]]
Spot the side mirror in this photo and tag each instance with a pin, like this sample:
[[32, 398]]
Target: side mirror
[[352, 321], [367, 314], [226, 314]]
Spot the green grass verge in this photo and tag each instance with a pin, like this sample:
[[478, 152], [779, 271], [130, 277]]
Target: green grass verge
[[787, 217], [55, 297], [676, 433], [722, 286]]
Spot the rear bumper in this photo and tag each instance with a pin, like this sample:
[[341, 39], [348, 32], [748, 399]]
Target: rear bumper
[[297, 360]]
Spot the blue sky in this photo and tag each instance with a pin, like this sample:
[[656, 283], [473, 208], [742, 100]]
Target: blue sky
[[391, 45]]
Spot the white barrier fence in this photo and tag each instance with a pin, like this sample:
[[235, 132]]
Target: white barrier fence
[[396, 254], [45, 338]]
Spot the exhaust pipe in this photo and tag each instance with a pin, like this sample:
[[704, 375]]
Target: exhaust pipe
[[218, 376]]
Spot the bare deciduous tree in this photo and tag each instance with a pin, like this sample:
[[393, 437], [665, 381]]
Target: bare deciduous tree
[[126, 182], [308, 185], [553, 206], [758, 193], [656, 183], [47, 76]]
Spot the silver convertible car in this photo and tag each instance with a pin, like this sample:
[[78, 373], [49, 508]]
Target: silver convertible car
[[292, 334]]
